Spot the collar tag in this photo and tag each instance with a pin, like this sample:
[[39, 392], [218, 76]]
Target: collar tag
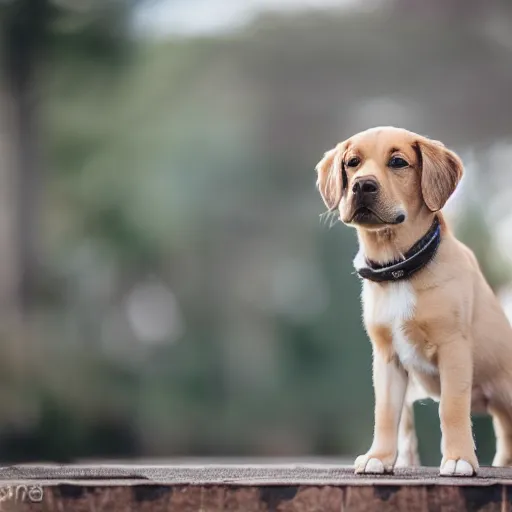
[[417, 257]]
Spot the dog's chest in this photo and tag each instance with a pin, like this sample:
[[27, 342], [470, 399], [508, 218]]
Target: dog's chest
[[393, 305]]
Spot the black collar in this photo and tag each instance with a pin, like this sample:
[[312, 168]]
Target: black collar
[[415, 259]]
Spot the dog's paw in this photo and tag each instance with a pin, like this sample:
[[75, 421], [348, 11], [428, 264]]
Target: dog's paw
[[460, 467], [502, 460], [372, 465], [407, 460], [407, 457]]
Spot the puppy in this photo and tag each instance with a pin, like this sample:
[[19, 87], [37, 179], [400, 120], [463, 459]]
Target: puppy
[[437, 330]]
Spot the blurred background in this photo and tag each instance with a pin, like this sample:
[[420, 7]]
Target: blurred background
[[168, 286]]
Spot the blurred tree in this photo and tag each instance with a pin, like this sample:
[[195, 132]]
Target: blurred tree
[[33, 31]]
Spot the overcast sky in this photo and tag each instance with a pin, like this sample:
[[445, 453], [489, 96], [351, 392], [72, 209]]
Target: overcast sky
[[196, 17]]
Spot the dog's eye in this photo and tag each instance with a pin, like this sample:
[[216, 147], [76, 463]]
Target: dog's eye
[[397, 163], [353, 162]]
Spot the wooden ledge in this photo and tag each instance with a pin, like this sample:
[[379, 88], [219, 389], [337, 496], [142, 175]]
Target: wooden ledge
[[247, 487]]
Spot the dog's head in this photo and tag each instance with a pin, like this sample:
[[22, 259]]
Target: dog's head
[[387, 176]]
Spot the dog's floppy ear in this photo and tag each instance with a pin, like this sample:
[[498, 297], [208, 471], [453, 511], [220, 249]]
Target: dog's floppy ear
[[331, 178], [441, 171]]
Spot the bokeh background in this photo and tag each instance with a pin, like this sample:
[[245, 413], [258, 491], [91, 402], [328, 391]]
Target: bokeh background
[[168, 286]]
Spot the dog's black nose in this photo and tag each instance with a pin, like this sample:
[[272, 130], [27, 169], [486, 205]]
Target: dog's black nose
[[365, 187]]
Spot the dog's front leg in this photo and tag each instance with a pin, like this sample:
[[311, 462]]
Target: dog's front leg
[[456, 375], [390, 384]]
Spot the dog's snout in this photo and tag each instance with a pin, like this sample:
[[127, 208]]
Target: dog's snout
[[365, 187]]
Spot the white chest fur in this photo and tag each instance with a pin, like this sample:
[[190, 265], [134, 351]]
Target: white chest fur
[[392, 305]]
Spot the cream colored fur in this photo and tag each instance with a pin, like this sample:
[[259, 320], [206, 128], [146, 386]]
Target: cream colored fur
[[441, 334]]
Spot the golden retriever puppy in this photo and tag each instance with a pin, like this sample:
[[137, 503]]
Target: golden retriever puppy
[[436, 328]]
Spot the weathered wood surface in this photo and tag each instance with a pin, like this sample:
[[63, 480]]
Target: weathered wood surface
[[247, 488]]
